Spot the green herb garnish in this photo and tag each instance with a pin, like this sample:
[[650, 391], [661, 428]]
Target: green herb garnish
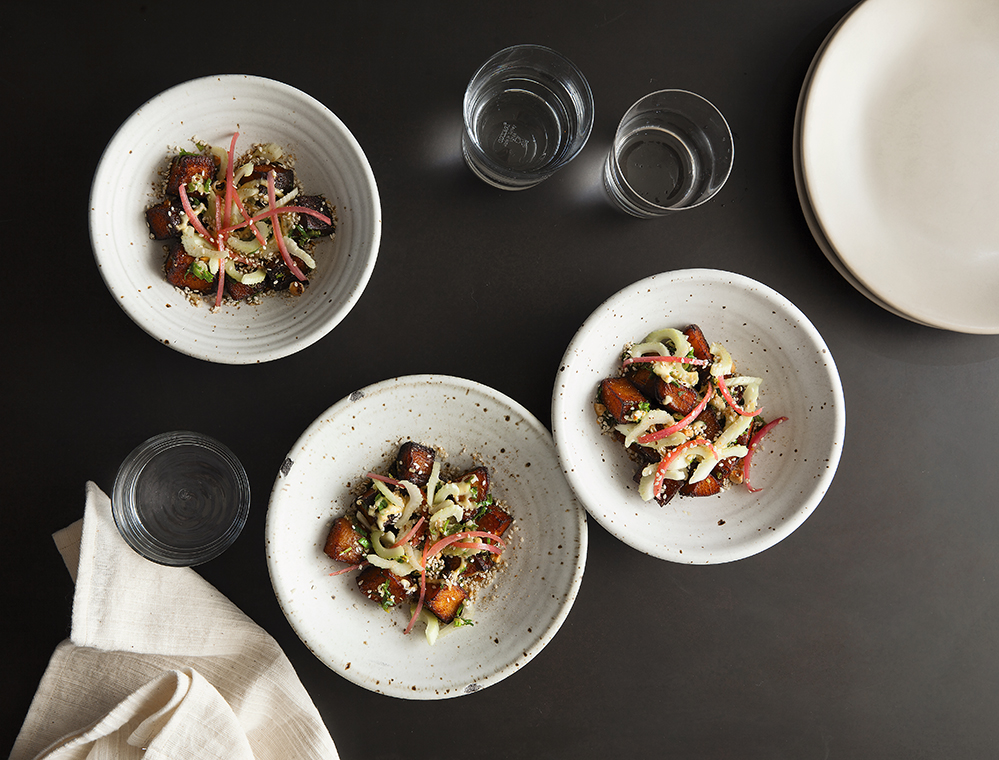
[[200, 270]]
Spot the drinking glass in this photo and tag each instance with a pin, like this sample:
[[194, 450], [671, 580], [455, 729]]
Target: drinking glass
[[673, 150], [528, 111], [180, 498]]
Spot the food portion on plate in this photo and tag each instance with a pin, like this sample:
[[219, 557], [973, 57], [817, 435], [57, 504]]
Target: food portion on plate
[[423, 538], [238, 226], [683, 414]]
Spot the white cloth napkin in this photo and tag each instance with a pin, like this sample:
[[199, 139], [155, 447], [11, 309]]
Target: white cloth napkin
[[159, 664]]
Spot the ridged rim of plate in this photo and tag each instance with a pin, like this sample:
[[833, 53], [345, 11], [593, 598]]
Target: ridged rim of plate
[[329, 161], [527, 602], [768, 336]]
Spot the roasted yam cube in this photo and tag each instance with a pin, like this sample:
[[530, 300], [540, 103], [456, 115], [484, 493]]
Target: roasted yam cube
[[284, 178], [669, 489], [444, 600], [675, 398], [480, 563], [698, 342], [164, 219], [178, 270], [494, 520], [707, 487], [311, 223], [712, 427], [414, 462], [239, 292], [701, 348], [479, 480], [383, 586], [193, 171], [622, 399], [280, 277], [653, 387], [345, 542]]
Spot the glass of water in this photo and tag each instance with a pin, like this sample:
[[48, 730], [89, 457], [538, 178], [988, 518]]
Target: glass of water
[[673, 150], [180, 498], [528, 111]]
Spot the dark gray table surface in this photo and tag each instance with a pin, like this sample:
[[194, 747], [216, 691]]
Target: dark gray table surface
[[871, 632]]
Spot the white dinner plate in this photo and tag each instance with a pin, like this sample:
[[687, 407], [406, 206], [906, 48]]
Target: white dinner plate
[[519, 612], [898, 156], [806, 207], [793, 466]]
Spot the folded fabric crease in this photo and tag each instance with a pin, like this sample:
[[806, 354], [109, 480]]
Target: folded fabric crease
[[160, 664]]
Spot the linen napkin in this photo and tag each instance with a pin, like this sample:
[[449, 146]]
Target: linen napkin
[[159, 664]]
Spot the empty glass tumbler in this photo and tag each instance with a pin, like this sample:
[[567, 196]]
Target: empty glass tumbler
[[180, 498], [528, 111], [673, 150]]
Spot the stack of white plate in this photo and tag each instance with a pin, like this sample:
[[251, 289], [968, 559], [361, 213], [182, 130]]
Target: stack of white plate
[[896, 154]]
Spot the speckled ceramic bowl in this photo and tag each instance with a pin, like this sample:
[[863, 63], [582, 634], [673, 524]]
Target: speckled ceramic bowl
[[793, 466], [516, 616], [329, 161]]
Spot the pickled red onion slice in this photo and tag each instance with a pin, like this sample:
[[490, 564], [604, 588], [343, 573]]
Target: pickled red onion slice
[[731, 401]]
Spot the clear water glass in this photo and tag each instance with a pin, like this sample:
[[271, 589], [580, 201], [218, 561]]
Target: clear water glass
[[528, 111], [673, 150], [180, 498]]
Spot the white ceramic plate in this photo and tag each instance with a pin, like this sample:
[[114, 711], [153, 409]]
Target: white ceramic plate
[[793, 466], [519, 613], [898, 156], [329, 162], [806, 207]]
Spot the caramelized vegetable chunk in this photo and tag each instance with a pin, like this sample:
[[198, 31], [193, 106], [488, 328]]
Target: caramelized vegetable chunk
[[240, 292], [621, 398], [701, 350], [444, 600], [284, 178], [698, 342], [382, 586], [164, 219], [682, 399], [190, 170], [479, 479], [312, 224], [279, 277], [178, 270], [344, 542], [712, 427], [494, 520], [653, 387], [414, 462], [670, 488], [707, 487]]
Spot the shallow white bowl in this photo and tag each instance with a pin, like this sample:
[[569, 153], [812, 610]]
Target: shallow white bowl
[[329, 161], [519, 612], [768, 337]]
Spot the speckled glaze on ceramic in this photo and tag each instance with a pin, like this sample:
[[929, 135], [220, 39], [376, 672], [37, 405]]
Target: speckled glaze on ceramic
[[516, 616], [768, 337], [329, 161]]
